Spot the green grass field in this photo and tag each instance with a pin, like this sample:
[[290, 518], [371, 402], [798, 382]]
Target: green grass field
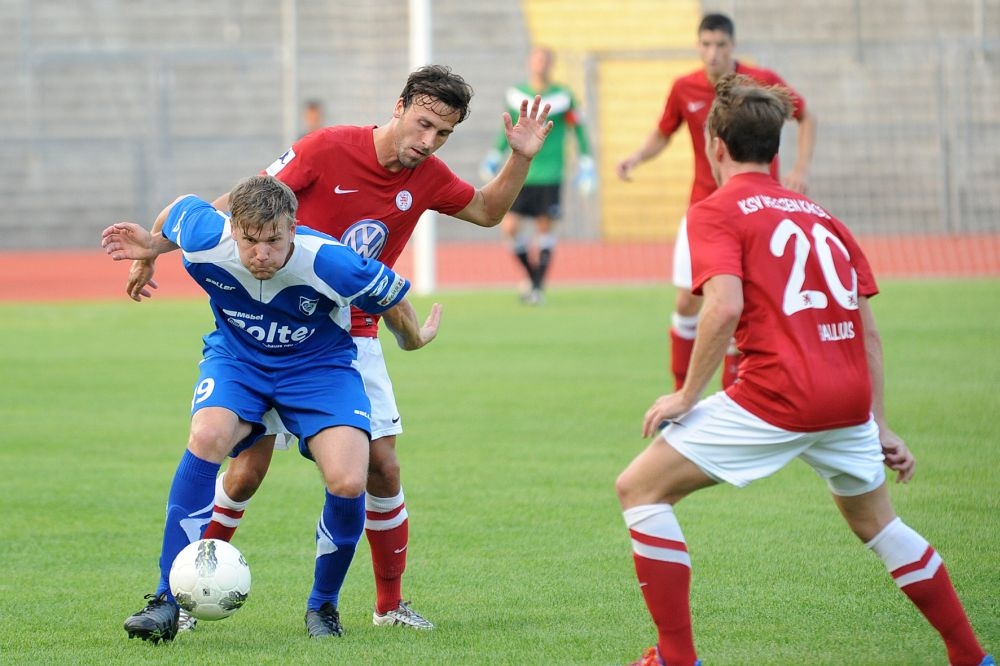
[[517, 422]]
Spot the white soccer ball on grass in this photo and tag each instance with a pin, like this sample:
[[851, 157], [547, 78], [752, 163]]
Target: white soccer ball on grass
[[210, 579]]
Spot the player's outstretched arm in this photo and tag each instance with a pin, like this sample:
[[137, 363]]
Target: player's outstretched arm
[[494, 199], [127, 240], [140, 275], [653, 145], [404, 325]]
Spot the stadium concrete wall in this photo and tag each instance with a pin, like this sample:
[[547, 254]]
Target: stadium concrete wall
[[111, 107]]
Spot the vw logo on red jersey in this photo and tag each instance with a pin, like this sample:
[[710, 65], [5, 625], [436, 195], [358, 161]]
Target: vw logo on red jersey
[[366, 237]]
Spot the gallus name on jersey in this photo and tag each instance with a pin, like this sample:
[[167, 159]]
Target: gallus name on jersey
[[759, 202], [841, 330]]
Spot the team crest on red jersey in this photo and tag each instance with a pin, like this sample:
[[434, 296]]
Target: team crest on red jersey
[[404, 200]]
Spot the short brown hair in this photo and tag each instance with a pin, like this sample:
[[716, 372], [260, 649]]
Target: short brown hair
[[748, 117], [259, 201]]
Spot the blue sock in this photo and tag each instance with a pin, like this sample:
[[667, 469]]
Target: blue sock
[[337, 535], [189, 509]]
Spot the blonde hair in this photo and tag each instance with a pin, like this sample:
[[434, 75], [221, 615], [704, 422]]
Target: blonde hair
[[259, 201]]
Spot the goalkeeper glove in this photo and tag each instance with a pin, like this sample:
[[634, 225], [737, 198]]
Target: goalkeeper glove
[[586, 175], [490, 165]]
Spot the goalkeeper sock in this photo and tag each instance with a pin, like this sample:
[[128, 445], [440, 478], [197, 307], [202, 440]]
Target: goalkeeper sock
[[529, 268]]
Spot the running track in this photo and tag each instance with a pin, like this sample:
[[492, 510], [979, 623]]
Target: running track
[[90, 274]]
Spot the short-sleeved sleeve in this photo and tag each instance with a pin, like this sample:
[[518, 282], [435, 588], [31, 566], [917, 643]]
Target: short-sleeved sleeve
[[672, 116], [194, 224], [715, 245], [368, 284], [295, 166], [452, 194]]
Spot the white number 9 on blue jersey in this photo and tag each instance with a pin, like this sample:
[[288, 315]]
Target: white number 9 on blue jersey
[[203, 390]]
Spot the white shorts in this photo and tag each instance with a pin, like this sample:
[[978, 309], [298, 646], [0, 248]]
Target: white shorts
[[385, 415], [682, 257], [732, 445]]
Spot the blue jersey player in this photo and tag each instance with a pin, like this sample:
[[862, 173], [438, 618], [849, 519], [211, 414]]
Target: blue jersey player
[[281, 297]]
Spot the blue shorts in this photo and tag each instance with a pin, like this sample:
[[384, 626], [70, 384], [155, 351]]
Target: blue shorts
[[307, 398]]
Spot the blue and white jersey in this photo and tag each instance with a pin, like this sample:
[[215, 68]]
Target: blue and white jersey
[[299, 314]]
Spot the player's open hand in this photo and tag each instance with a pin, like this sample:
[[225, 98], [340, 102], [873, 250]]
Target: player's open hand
[[127, 240], [401, 319], [666, 408], [429, 330], [897, 456], [533, 126]]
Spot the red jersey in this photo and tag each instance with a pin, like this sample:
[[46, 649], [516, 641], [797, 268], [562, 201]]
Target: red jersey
[[343, 191], [804, 366], [690, 98]]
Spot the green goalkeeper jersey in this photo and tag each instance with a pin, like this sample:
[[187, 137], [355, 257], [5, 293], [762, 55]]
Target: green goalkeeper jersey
[[547, 166]]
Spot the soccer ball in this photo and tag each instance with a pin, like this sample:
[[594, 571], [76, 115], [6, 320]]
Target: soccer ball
[[210, 579]]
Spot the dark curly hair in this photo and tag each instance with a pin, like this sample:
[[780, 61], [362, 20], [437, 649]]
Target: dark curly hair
[[440, 84]]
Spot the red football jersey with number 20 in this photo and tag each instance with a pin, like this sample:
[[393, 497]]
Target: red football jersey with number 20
[[804, 366]]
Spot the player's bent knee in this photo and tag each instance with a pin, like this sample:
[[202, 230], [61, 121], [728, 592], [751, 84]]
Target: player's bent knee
[[211, 444], [625, 490], [346, 487]]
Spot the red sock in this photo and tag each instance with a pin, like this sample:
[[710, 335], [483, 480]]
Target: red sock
[[919, 572], [226, 514], [388, 529], [216, 529], [731, 367], [663, 567], [680, 357]]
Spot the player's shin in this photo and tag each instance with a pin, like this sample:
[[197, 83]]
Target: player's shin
[[663, 568], [682, 333], [337, 534], [547, 246], [919, 572], [226, 513], [188, 506], [387, 529]]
